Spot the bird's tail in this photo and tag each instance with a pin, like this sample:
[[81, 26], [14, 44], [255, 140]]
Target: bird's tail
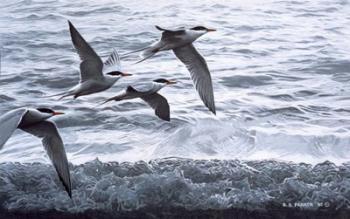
[[147, 52], [138, 50], [63, 95], [150, 51], [104, 102], [115, 98]]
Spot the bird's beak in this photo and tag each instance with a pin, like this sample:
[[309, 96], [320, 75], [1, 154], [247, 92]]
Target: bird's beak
[[126, 74], [171, 82], [57, 113], [211, 30]]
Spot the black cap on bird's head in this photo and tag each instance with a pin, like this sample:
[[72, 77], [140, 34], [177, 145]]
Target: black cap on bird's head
[[164, 81], [201, 28], [49, 111], [118, 73]]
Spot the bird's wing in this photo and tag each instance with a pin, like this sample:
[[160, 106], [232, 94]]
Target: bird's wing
[[112, 63], [159, 104], [171, 30], [9, 123], [54, 147], [200, 74], [91, 64], [171, 35]]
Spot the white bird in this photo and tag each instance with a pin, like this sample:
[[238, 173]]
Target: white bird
[[34, 121], [180, 41], [148, 92], [92, 79]]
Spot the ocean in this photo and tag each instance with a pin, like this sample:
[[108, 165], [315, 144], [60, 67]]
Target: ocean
[[281, 77]]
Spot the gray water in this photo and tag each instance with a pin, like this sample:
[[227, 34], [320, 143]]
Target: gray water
[[280, 71], [281, 74]]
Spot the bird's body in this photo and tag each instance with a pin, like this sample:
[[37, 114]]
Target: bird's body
[[92, 69], [180, 41], [148, 92], [34, 121], [91, 86]]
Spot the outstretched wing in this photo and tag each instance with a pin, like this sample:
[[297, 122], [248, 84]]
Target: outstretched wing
[[112, 63], [53, 145], [200, 74], [171, 35], [91, 64], [182, 29], [159, 104], [9, 123]]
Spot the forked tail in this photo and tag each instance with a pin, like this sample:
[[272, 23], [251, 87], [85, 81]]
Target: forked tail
[[115, 98], [147, 52], [135, 51], [63, 95], [56, 95]]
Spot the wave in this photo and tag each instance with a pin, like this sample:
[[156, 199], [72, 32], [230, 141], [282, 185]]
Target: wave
[[172, 183]]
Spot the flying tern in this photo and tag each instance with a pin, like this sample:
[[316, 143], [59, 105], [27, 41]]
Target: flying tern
[[148, 92], [95, 76], [34, 121], [180, 41]]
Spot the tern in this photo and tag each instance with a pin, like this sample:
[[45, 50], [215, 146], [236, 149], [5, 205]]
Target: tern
[[34, 121], [148, 92], [92, 69], [180, 41]]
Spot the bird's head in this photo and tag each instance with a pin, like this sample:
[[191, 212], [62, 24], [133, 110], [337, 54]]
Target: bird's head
[[118, 74], [164, 81], [47, 113], [200, 30]]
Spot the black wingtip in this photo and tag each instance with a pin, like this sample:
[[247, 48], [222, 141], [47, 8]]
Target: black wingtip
[[68, 189], [72, 29], [70, 24], [164, 118], [70, 194], [66, 186], [159, 28]]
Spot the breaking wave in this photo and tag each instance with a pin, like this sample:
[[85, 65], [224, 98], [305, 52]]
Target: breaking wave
[[175, 183]]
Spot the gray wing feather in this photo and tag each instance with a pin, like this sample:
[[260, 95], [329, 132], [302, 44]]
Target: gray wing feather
[[171, 35], [159, 104], [9, 123], [91, 64], [178, 29], [112, 63], [54, 147], [200, 74]]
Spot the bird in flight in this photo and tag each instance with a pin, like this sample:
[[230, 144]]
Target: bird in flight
[[95, 76], [148, 92], [34, 121], [180, 41]]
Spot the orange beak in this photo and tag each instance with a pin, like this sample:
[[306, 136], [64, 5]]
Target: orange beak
[[211, 30], [57, 113], [171, 82], [126, 74]]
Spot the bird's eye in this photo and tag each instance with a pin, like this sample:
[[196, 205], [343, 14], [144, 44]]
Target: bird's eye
[[161, 80], [198, 28], [45, 110], [114, 73]]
